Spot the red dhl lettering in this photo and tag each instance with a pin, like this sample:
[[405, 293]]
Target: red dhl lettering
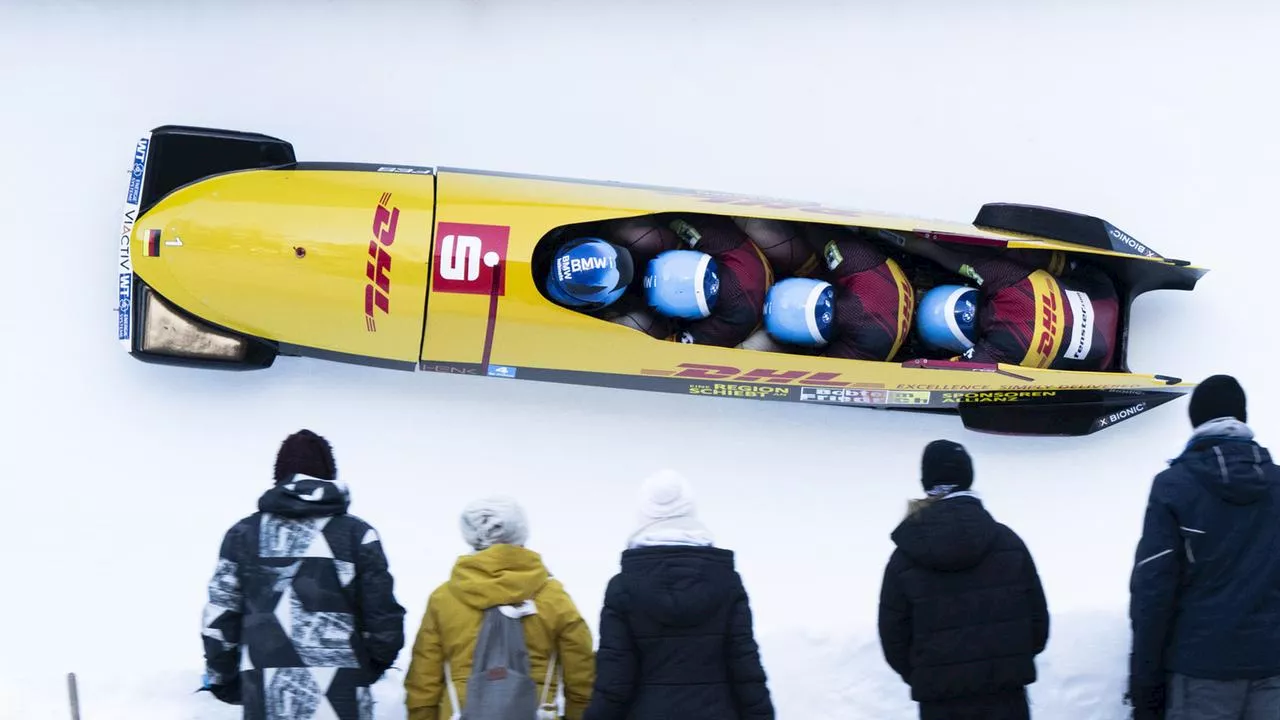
[[1049, 323], [908, 308], [765, 375], [377, 292]]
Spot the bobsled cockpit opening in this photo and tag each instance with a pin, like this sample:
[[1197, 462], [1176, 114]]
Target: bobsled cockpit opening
[[877, 276]]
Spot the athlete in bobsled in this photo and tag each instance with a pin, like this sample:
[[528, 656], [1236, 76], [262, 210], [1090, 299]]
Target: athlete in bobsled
[[714, 287], [785, 244], [1033, 308], [859, 306], [597, 276]]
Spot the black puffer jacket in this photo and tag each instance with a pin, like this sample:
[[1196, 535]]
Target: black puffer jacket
[[676, 640], [962, 611]]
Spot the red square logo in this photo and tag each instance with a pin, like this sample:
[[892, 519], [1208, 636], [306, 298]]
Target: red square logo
[[467, 256]]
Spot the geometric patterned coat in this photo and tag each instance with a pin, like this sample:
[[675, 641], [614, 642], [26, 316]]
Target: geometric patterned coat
[[302, 617]]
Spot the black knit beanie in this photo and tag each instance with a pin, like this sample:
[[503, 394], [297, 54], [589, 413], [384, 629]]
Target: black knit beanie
[[1218, 396], [945, 468], [305, 452]]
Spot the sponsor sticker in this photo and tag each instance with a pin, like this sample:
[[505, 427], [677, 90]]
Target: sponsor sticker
[[1125, 414], [844, 396], [502, 371], [448, 368], [405, 170], [124, 262], [467, 256], [139, 170], [909, 397], [1081, 339], [735, 390], [1121, 241], [995, 396]]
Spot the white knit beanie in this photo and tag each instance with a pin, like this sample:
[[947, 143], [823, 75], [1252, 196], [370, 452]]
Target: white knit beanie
[[493, 521], [667, 513], [666, 494]]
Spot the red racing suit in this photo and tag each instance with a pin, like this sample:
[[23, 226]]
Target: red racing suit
[[874, 302], [1035, 311], [745, 277]]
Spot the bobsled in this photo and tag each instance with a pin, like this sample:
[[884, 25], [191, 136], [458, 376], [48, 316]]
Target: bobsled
[[232, 252]]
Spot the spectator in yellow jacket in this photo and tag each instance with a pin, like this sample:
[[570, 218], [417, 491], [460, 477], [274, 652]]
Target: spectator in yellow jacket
[[501, 571]]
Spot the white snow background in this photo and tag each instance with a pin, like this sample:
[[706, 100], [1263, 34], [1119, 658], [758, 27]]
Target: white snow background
[[119, 477]]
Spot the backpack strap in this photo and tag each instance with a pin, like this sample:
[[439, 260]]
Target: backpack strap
[[546, 684], [453, 692]]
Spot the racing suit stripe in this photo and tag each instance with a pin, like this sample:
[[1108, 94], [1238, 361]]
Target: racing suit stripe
[[906, 306]]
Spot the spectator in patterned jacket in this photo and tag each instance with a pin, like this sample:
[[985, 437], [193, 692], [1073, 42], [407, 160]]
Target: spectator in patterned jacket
[[302, 618], [676, 635], [962, 611]]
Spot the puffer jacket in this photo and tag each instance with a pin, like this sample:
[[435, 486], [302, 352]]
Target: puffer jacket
[[676, 640], [1205, 590], [498, 575], [962, 611]]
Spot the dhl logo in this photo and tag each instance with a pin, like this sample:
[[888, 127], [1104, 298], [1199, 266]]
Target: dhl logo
[[1049, 328], [1048, 323], [377, 269], [699, 371], [906, 306]]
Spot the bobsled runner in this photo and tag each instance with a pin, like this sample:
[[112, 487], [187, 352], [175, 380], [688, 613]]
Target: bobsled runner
[[233, 252]]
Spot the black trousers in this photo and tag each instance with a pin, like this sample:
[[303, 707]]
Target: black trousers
[[1006, 706]]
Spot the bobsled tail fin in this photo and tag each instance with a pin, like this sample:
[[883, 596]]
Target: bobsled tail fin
[[180, 154], [1067, 414], [1064, 226]]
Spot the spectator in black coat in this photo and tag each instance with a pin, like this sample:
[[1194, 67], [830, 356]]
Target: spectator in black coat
[[302, 616], [962, 612], [676, 636], [1205, 590]]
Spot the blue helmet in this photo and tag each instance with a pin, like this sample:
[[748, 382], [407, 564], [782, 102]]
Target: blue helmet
[[683, 284], [947, 316], [800, 311], [589, 274]]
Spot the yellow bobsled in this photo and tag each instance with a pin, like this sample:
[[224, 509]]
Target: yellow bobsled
[[233, 252]]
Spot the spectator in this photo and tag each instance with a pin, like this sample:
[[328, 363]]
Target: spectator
[[501, 572], [962, 612], [302, 613], [676, 636], [1205, 590]]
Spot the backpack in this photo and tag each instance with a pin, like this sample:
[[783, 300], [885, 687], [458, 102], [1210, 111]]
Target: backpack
[[500, 687]]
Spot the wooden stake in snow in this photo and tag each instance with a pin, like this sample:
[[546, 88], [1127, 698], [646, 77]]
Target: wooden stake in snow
[[74, 695]]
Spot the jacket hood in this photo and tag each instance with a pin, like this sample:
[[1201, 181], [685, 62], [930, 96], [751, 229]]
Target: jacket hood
[[498, 575], [306, 497], [953, 533], [679, 585], [1232, 469]]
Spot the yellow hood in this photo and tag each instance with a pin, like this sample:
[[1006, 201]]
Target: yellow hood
[[497, 575]]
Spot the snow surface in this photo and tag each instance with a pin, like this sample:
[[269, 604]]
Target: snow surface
[[119, 478]]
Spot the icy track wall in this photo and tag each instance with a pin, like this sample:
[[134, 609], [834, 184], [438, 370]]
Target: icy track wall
[[120, 478]]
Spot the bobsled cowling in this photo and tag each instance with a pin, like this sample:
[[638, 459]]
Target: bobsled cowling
[[233, 253]]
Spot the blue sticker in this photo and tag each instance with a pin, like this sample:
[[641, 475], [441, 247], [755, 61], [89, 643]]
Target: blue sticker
[[501, 371], [139, 163]]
